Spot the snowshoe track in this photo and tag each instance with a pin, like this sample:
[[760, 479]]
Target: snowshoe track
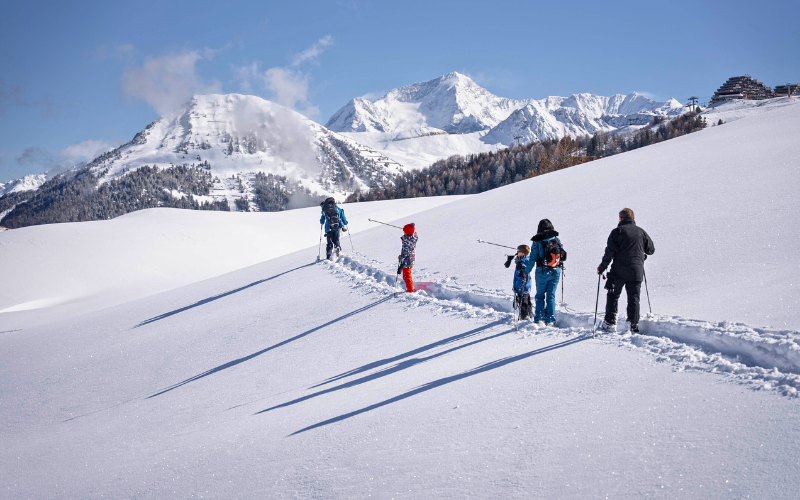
[[761, 358]]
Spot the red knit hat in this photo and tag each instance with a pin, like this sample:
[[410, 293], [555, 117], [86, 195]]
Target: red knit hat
[[409, 229]]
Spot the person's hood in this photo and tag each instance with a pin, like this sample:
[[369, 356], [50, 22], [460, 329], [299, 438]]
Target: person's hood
[[545, 235]]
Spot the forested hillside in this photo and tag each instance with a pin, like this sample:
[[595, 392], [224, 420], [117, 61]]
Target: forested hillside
[[80, 196]]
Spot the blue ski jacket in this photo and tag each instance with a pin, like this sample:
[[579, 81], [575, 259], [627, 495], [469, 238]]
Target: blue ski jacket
[[328, 225]]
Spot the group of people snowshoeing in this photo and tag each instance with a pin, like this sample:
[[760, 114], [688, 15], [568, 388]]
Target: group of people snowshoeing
[[541, 263]]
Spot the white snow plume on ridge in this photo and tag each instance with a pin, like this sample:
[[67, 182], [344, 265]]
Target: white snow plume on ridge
[[236, 136], [764, 359]]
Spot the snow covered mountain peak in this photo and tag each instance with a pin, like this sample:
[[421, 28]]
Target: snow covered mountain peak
[[236, 136], [451, 103]]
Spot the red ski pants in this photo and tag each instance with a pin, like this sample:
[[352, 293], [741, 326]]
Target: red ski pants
[[408, 279]]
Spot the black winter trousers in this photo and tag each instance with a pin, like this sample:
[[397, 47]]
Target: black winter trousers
[[333, 241], [525, 307], [614, 287]]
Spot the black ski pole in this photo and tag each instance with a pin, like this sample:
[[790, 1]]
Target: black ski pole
[[351, 240], [495, 244], [563, 275], [396, 276], [596, 304], [385, 224], [648, 292], [319, 249]]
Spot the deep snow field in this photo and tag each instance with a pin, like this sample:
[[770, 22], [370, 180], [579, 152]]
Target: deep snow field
[[142, 357]]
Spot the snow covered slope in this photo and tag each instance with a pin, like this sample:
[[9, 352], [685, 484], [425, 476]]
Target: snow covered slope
[[720, 205], [61, 270], [730, 111], [235, 136], [293, 379], [423, 122]]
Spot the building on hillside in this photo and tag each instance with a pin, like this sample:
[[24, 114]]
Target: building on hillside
[[741, 87], [787, 90]]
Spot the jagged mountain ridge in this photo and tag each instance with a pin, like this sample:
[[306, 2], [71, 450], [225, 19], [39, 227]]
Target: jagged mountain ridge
[[579, 114], [423, 122], [27, 183], [452, 103]]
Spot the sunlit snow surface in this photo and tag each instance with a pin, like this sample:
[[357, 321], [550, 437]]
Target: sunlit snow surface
[[292, 378]]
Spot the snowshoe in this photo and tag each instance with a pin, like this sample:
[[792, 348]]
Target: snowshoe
[[607, 327]]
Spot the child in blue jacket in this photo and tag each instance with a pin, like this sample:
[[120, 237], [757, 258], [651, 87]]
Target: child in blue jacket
[[522, 282]]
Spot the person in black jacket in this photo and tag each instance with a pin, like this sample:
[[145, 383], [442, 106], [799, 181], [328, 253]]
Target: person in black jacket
[[628, 246]]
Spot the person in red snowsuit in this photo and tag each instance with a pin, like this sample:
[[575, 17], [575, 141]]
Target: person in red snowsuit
[[406, 256]]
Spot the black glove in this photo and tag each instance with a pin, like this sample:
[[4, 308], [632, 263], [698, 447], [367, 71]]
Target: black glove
[[344, 229], [508, 261]]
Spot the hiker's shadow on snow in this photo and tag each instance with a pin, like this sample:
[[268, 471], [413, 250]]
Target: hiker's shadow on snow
[[444, 381], [275, 346], [399, 366], [217, 297]]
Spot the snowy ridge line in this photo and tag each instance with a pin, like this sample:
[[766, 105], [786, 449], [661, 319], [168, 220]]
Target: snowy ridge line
[[761, 358]]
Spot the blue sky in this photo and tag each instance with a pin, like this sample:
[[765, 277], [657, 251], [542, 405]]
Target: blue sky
[[76, 77]]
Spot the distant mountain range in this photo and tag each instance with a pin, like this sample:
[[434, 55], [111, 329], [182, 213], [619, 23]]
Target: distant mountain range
[[244, 146], [423, 122]]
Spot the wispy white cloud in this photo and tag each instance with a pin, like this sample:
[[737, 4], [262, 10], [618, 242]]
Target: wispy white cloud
[[314, 51], [371, 96], [68, 157], [649, 95], [288, 86], [290, 89], [165, 82], [85, 151]]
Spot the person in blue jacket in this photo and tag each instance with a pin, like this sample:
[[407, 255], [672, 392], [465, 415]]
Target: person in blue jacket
[[335, 221], [547, 254], [522, 281]]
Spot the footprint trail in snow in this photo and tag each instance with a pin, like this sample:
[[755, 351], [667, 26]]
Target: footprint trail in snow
[[761, 358]]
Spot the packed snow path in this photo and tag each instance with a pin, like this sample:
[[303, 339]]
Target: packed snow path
[[760, 357], [247, 385]]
